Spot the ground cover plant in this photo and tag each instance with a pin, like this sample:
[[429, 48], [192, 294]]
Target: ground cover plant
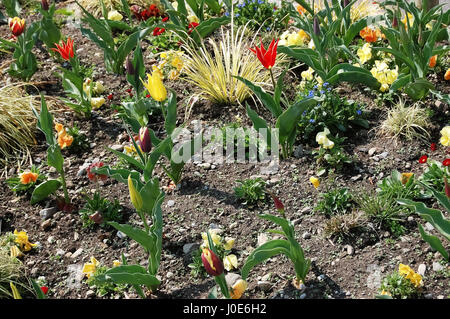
[[252, 149]]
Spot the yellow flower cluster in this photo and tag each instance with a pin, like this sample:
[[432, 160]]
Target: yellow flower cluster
[[230, 261], [445, 138], [298, 38], [89, 268], [408, 273], [172, 59], [322, 139], [365, 53], [21, 238], [384, 75]]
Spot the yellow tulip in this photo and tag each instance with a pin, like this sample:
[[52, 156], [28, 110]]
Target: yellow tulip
[[315, 181], [155, 87], [135, 197]]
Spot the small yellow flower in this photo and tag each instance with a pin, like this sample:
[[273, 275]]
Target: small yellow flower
[[445, 138], [97, 102], [114, 15], [323, 140], [406, 177], [163, 55], [193, 18], [384, 292], [98, 88], [116, 263], [89, 268], [229, 242], [230, 262], [22, 240], [238, 289], [308, 74], [215, 238], [303, 36], [59, 128], [365, 53], [315, 181], [409, 274]]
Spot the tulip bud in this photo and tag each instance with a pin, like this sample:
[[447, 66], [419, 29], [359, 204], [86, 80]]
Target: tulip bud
[[395, 22], [96, 218], [135, 197], [44, 5], [278, 204], [346, 2], [145, 140], [129, 66], [213, 265], [316, 26], [16, 25], [44, 289]]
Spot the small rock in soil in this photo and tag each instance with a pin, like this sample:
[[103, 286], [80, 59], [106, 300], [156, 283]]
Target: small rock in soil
[[117, 147], [306, 235], [121, 235], [46, 213], [428, 226], [303, 296], [350, 250], [189, 248], [76, 253], [437, 266], [264, 285], [90, 294], [46, 224], [372, 151], [170, 203], [262, 239], [75, 276]]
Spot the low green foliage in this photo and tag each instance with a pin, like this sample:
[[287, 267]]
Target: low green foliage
[[335, 202], [262, 15], [251, 191], [17, 187], [398, 286], [103, 288], [398, 186], [106, 209]]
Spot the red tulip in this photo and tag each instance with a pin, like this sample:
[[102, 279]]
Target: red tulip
[[433, 146], [44, 289], [423, 159], [446, 162], [278, 204], [110, 97], [192, 26], [267, 58], [16, 25], [213, 265], [44, 5], [66, 50], [165, 19]]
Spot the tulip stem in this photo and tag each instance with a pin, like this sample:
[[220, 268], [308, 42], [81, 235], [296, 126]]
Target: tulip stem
[[66, 194], [273, 79]]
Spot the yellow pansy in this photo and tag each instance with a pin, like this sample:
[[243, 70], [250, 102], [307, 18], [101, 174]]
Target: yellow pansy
[[322, 139], [215, 238], [89, 268], [116, 263], [303, 36], [315, 181], [406, 177], [229, 242], [409, 274], [155, 87], [445, 138], [114, 15], [22, 240], [308, 74], [230, 262], [365, 53], [237, 290], [97, 102], [294, 39], [177, 63]]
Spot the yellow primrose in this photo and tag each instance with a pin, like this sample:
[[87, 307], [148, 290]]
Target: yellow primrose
[[87, 86], [445, 138], [322, 139], [303, 36], [308, 74], [135, 196], [229, 242], [315, 181], [365, 53], [155, 87], [215, 238], [237, 290], [230, 262], [97, 102], [384, 87], [294, 39], [98, 88], [319, 81], [22, 240], [384, 292], [114, 15], [89, 268], [15, 252], [15, 291], [116, 263]]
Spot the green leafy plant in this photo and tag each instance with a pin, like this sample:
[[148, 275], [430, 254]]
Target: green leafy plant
[[54, 157], [331, 158], [103, 287], [334, 202], [24, 64], [12, 7], [251, 191], [330, 44], [336, 113], [434, 176], [197, 269], [147, 198], [80, 141], [398, 286], [398, 186], [49, 32], [100, 210], [15, 184], [288, 247], [413, 46], [262, 14], [434, 217]]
